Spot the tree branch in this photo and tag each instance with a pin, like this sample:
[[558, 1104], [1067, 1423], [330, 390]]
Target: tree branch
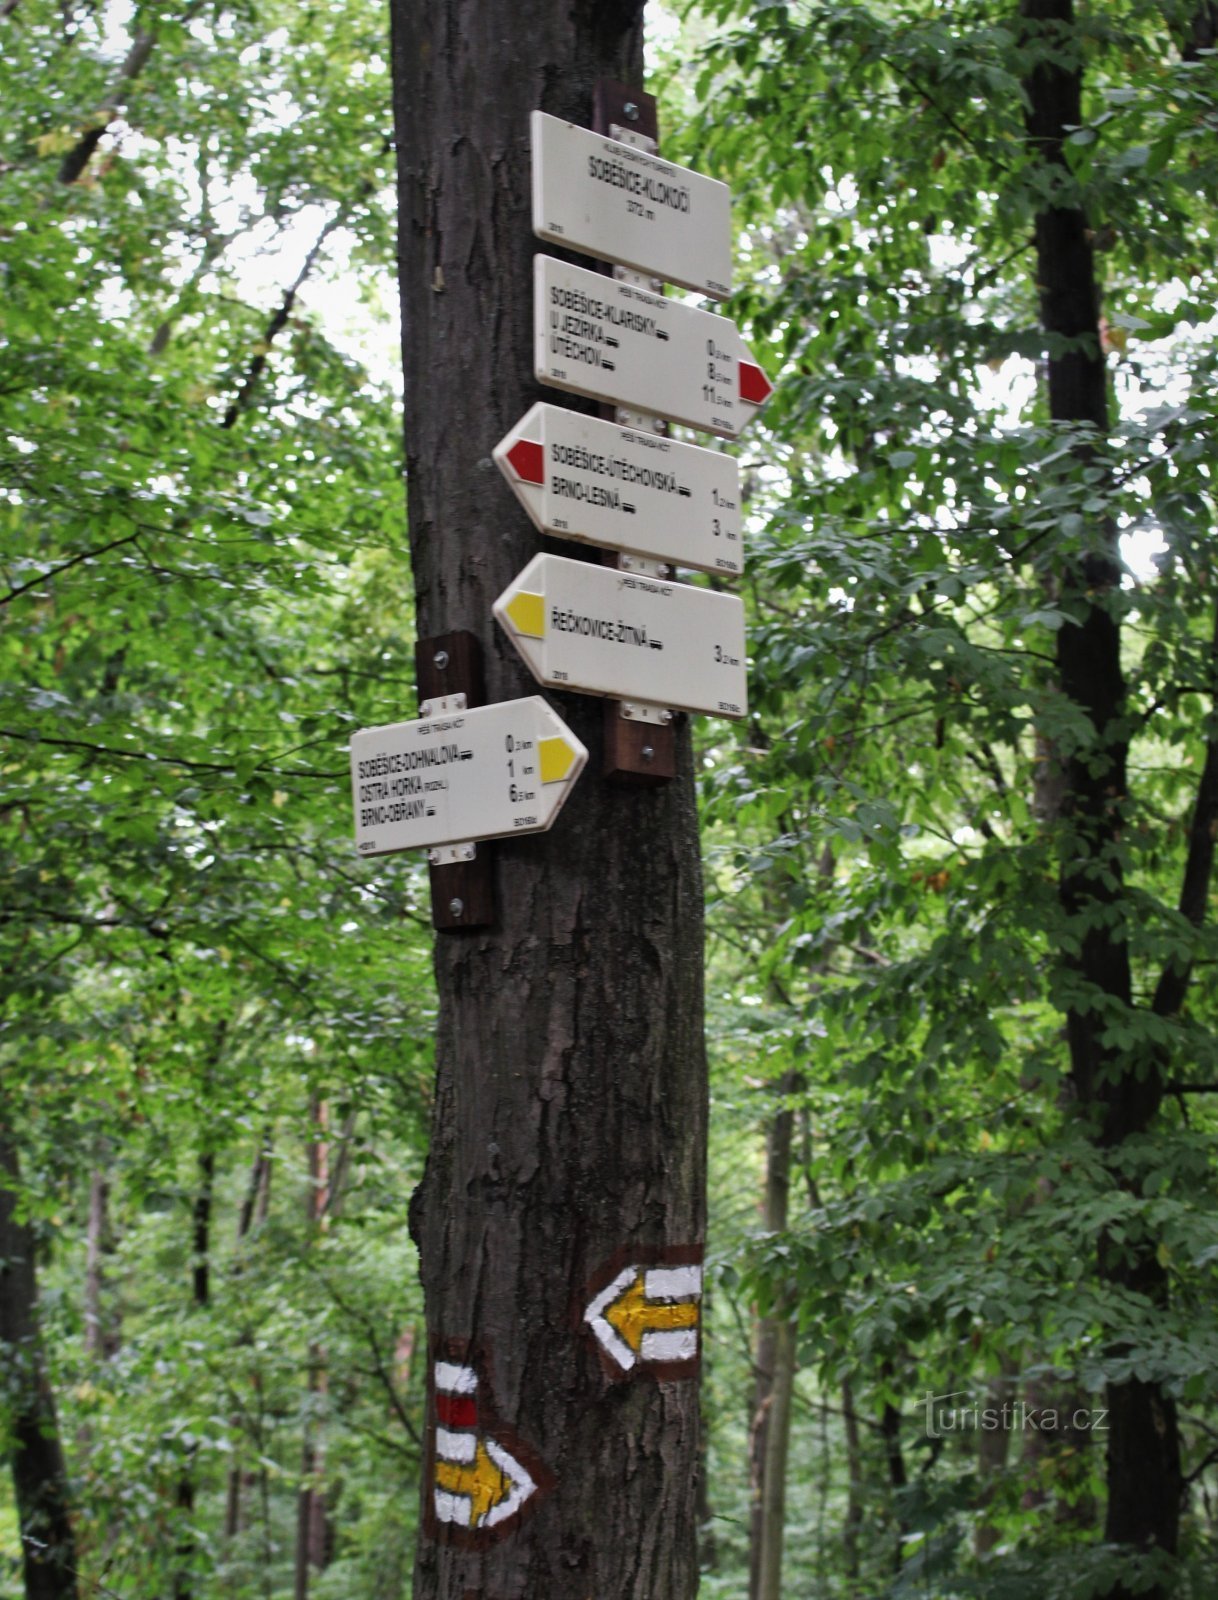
[[64, 566]]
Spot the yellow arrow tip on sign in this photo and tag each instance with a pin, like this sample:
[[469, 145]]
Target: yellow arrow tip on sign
[[528, 614], [556, 757]]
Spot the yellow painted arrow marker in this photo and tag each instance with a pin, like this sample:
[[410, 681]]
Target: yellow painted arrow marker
[[482, 1480], [632, 1315], [556, 758], [528, 613]]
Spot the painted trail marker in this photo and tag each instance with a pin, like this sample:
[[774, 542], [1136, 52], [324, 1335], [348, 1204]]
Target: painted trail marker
[[482, 1479], [649, 1316], [602, 631], [625, 489], [596, 336], [461, 776], [623, 204]]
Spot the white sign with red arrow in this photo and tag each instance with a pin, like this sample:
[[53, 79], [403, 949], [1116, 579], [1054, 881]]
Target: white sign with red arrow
[[602, 631], [623, 204], [649, 1315], [462, 776], [625, 489], [596, 336]]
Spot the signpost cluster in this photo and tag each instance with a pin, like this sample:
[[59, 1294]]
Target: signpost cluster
[[460, 774], [623, 628]]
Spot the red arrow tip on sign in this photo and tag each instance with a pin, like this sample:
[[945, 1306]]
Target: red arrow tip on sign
[[755, 387], [528, 461]]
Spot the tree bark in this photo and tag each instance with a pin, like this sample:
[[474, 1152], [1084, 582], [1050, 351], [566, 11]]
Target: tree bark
[[312, 1519], [774, 1481], [1121, 1094], [97, 1343], [40, 1478], [570, 1112], [853, 1525], [253, 1212], [775, 1372]]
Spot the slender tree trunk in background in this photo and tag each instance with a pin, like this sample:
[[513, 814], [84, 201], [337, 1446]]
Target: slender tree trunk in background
[[40, 1478], [1143, 1467], [854, 1476], [898, 1473], [570, 1112], [314, 1529], [774, 1482], [96, 1240], [253, 1214], [993, 1452], [1204, 32], [311, 1521], [200, 1277], [775, 1372]]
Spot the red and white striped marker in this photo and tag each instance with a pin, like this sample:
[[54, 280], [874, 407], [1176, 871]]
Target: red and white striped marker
[[479, 1483]]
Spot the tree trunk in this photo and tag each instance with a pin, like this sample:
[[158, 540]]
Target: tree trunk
[[775, 1371], [1121, 1093], [774, 1481], [568, 1142], [854, 1474], [253, 1213], [200, 1277], [312, 1522], [40, 1478], [97, 1344], [993, 1453]]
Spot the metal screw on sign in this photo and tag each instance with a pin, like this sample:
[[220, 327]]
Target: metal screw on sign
[[648, 752], [456, 907], [631, 110], [441, 659]]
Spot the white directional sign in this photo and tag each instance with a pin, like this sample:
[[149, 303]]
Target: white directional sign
[[625, 489], [635, 638], [462, 776], [613, 341], [622, 204]]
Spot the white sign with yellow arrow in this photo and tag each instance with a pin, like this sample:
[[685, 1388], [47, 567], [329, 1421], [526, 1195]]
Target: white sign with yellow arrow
[[603, 631], [460, 776]]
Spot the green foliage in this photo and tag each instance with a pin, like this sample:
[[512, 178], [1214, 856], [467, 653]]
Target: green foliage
[[204, 591], [887, 837]]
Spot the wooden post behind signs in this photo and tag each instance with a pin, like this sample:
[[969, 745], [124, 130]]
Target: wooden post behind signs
[[634, 751]]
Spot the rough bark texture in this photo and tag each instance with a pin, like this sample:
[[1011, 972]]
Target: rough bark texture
[[1143, 1468], [570, 1113], [774, 1375], [40, 1479]]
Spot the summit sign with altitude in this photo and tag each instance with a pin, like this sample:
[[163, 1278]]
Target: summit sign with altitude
[[612, 200]]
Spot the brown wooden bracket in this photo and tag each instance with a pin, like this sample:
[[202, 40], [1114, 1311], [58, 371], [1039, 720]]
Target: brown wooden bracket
[[617, 103], [640, 753], [462, 892]]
